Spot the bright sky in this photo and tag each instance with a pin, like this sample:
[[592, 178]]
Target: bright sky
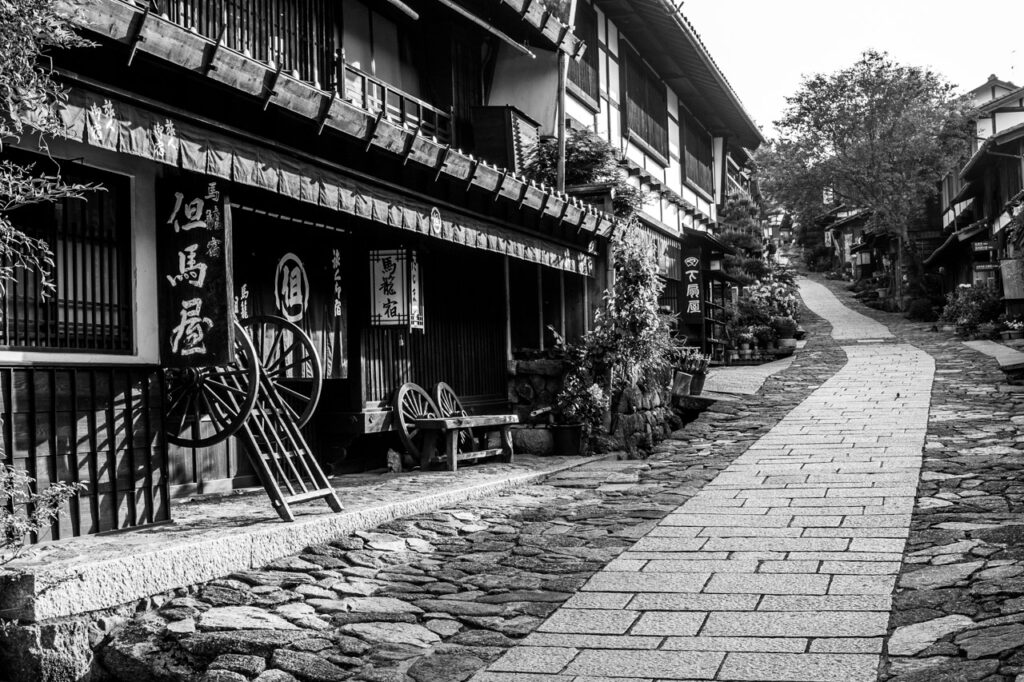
[[764, 46]]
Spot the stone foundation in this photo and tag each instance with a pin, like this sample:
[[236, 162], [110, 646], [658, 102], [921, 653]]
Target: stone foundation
[[533, 385], [642, 418]]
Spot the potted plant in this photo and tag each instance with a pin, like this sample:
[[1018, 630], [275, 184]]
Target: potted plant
[[764, 334], [785, 329], [579, 410], [1014, 329], [745, 339], [695, 363]]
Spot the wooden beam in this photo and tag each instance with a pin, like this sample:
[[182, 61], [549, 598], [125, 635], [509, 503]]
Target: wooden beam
[[458, 9]]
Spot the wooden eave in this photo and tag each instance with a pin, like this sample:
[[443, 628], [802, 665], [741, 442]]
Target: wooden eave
[[124, 23], [681, 60]]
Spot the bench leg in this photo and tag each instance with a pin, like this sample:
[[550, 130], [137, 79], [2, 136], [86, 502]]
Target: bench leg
[[451, 439], [506, 444], [429, 443]]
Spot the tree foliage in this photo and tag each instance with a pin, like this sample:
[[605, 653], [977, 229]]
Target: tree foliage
[[29, 30], [878, 135], [589, 159]]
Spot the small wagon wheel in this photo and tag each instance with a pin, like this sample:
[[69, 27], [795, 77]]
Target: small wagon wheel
[[290, 361], [412, 403], [225, 395], [450, 406]]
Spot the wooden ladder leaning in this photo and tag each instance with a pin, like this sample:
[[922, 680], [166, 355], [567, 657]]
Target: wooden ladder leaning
[[277, 449]]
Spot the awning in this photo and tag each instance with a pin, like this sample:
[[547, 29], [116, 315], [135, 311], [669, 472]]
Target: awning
[[971, 231], [964, 191], [103, 121], [966, 234], [706, 239]]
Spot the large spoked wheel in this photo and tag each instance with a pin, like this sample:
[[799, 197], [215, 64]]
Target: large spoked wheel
[[412, 403], [450, 406], [223, 397], [290, 361]]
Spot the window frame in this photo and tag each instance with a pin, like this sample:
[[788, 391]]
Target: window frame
[[589, 93], [120, 257], [690, 127], [630, 62]]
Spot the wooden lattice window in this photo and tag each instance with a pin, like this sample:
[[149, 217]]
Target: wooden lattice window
[[90, 305], [584, 72], [646, 111], [697, 153]]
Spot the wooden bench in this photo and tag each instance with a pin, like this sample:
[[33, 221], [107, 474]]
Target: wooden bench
[[422, 421]]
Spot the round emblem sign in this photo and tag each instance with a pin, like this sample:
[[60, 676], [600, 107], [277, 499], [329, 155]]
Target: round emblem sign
[[291, 288]]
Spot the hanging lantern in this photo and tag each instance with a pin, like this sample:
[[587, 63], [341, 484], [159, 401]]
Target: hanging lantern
[[395, 294]]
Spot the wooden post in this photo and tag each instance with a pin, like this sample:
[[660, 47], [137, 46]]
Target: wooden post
[[508, 312], [540, 306], [561, 298], [563, 76]]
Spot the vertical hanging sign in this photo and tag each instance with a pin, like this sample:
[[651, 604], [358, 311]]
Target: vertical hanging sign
[[395, 294], [693, 283], [194, 274]]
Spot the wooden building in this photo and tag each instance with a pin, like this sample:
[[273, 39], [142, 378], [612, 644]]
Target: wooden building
[[648, 85], [307, 159], [980, 200]]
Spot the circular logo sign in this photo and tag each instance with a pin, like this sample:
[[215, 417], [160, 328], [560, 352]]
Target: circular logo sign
[[291, 288]]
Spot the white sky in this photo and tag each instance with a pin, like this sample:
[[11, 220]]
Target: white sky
[[764, 46]]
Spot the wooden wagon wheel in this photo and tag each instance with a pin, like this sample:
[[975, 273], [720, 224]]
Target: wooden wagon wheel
[[450, 406], [224, 395], [411, 403], [289, 360]]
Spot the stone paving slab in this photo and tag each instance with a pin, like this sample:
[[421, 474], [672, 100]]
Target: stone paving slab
[[218, 535], [439, 596], [743, 379], [818, 602], [1008, 358]]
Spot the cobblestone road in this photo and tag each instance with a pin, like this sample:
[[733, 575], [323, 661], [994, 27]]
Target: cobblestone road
[[762, 542], [782, 567]]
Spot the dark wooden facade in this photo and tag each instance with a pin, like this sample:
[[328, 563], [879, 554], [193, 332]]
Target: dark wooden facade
[[101, 426]]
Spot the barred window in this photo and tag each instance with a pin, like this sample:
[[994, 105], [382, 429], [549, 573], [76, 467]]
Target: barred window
[[646, 111], [89, 307], [584, 72], [697, 153]]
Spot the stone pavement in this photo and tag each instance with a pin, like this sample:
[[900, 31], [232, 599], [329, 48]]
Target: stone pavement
[[782, 567], [743, 379], [435, 597], [958, 610]]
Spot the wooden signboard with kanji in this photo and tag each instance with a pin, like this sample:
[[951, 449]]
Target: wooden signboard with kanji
[[194, 272], [693, 288]]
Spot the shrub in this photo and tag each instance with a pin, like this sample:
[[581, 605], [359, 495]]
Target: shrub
[[764, 334], [23, 512], [819, 259], [970, 306], [785, 327], [921, 309]]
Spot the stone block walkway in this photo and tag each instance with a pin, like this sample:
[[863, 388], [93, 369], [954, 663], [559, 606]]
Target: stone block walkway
[[743, 380], [783, 566]]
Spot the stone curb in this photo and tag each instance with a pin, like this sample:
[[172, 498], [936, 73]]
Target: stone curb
[[69, 590]]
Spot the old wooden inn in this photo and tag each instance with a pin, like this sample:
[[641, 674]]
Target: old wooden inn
[[308, 205]]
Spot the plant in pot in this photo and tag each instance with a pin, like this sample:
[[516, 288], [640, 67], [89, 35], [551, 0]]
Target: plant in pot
[[695, 363], [764, 334], [579, 410], [785, 329], [745, 339], [1013, 329]]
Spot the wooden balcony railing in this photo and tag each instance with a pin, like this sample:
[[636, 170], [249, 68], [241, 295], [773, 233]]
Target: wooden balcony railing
[[300, 37], [375, 95]]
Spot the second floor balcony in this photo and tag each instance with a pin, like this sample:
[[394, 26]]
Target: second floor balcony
[[306, 39]]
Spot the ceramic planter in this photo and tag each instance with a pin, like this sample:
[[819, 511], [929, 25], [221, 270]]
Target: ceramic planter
[[787, 343], [567, 439]]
